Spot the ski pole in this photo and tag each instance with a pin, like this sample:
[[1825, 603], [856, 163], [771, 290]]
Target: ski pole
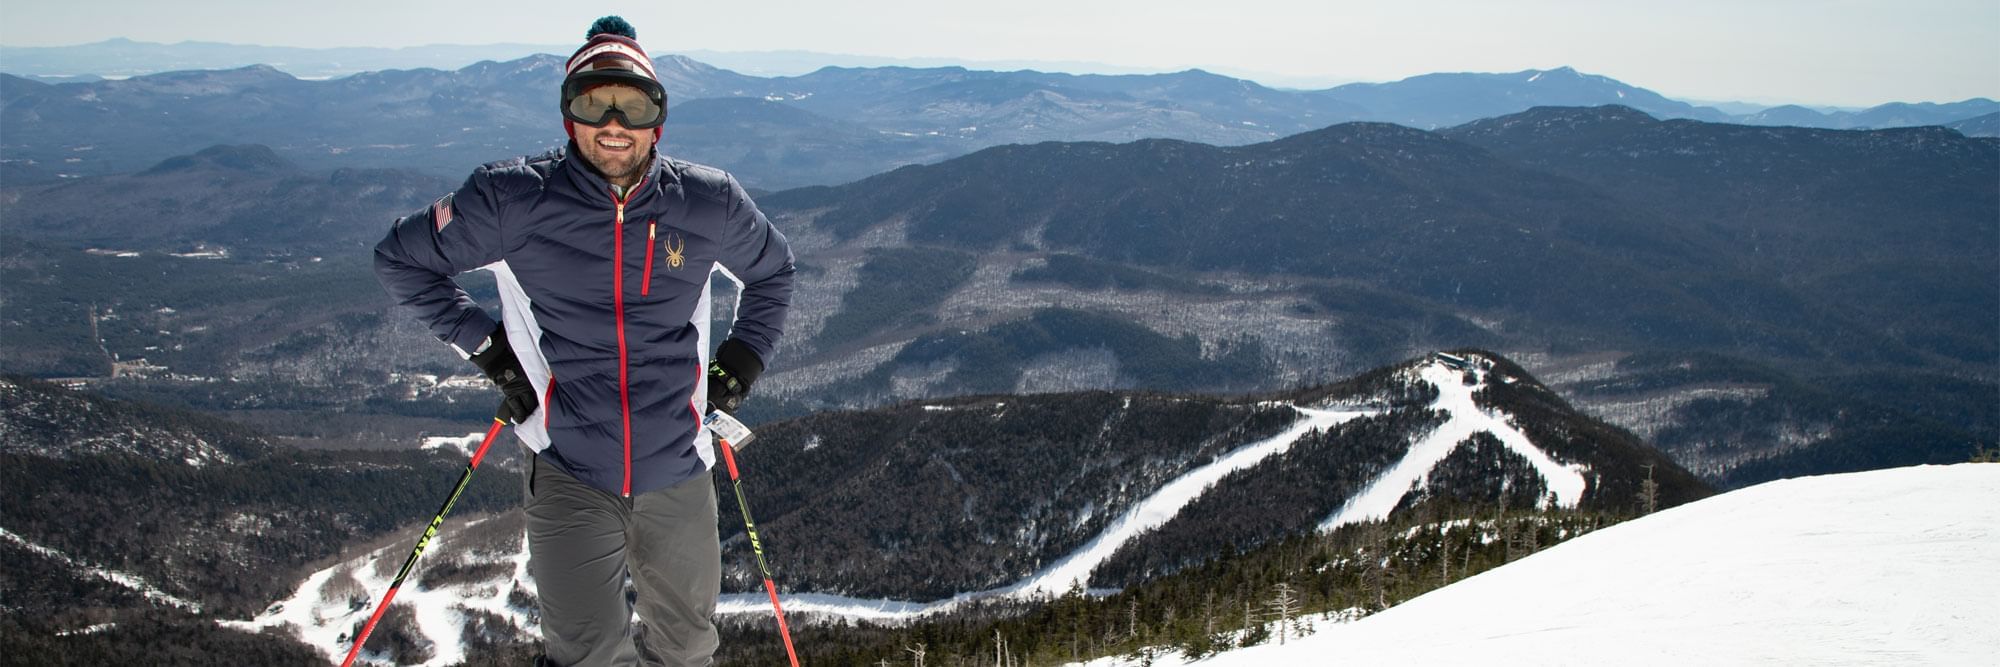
[[727, 428], [430, 532]]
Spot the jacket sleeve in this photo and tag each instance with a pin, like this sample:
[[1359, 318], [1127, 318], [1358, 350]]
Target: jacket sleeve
[[758, 255], [424, 250]]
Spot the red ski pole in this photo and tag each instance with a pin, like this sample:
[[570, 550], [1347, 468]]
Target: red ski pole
[[429, 533], [727, 428]]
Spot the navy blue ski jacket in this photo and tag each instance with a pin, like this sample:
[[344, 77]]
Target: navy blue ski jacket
[[604, 298]]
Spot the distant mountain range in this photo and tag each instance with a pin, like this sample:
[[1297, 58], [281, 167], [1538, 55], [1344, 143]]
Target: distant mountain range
[[830, 126], [123, 58]]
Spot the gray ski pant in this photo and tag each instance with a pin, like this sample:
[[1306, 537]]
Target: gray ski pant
[[584, 541]]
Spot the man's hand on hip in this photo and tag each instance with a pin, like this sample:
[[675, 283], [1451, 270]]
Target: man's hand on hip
[[497, 360], [730, 374]]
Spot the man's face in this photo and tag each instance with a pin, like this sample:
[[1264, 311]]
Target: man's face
[[616, 151]]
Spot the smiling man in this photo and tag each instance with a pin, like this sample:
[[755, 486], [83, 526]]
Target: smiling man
[[602, 252]]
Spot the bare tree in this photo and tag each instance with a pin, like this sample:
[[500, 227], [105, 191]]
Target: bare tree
[[1284, 604], [1377, 566], [1444, 560], [1649, 492], [918, 652]]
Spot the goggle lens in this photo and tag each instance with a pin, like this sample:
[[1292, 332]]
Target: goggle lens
[[595, 107]]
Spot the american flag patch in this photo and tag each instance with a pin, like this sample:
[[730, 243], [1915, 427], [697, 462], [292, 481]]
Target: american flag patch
[[441, 212]]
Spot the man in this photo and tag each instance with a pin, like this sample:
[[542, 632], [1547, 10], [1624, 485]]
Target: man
[[602, 251]]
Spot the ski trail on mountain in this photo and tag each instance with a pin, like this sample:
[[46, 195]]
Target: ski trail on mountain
[[1152, 512], [127, 580], [1156, 510], [1464, 418]]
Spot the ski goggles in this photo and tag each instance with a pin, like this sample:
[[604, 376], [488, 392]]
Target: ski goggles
[[594, 98]]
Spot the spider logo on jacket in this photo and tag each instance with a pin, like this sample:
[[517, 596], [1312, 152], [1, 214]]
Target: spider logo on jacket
[[675, 247]]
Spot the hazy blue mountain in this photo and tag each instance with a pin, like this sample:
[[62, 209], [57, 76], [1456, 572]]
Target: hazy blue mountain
[[1440, 100], [983, 108], [1900, 114], [1789, 114], [1895, 114], [1979, 126], [121, 57]]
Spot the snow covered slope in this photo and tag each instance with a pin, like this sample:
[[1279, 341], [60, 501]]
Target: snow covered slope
[[1889, 567]]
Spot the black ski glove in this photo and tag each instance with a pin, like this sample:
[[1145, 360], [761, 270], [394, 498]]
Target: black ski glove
[[730, 374], [504, 369]]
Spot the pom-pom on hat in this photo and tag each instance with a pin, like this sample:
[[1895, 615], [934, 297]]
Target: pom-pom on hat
[[610, 54]]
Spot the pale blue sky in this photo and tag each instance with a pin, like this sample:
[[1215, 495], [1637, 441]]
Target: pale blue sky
[[1845, 52]]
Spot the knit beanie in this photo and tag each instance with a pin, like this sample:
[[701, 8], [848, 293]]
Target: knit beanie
[[611, 49]]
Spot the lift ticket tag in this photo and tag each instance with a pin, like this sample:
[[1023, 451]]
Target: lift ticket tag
[[727, 428]]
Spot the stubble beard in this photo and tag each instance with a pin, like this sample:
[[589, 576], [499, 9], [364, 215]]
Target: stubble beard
[[620, 169], [617, 168]]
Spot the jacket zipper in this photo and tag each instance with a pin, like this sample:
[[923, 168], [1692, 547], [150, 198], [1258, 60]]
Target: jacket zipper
[[618, 310], [647, 286]]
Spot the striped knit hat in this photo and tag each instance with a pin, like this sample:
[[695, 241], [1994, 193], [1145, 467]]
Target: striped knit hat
[[611, 54]]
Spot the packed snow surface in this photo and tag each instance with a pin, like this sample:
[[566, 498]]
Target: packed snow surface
[[1888, 567]]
